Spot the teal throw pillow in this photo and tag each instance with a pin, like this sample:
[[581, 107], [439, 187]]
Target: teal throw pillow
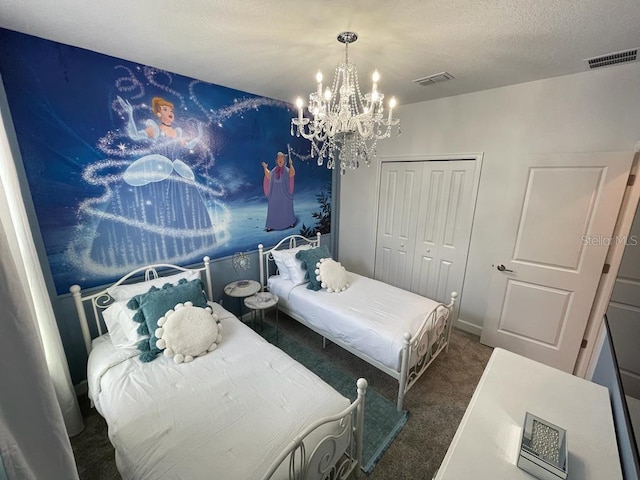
[[155, 303], [309, 258]]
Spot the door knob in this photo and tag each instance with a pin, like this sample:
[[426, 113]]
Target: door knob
[[502, 268]]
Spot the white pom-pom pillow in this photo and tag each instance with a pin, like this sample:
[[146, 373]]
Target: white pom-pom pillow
[[331, 275], [186, 332]]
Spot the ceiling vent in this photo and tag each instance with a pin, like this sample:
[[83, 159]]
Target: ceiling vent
[[613, 59], [433, 79]]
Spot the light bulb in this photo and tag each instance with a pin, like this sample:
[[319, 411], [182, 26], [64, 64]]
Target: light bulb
[[299, 105], [392, 103], [319, 77], [376, 76]]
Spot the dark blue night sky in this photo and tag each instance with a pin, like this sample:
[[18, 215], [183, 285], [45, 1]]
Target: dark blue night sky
[[75, 148]]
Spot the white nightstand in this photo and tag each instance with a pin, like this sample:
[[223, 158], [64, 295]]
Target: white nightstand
[[241, 289], [263, 301]]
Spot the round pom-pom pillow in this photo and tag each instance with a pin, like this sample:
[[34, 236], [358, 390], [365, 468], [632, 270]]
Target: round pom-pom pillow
[[331, 275], [186, 332]]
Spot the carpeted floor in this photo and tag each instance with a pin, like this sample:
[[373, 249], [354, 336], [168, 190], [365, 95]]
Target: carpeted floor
[[436, 404]]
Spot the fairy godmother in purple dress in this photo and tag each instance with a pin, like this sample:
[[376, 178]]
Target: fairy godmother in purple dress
[[278, 188]]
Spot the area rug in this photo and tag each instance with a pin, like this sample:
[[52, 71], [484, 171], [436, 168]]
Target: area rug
[[382, 422]]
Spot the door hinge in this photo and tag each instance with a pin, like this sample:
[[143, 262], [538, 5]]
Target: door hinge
[[606, 268], [631, 180], [584, 343]]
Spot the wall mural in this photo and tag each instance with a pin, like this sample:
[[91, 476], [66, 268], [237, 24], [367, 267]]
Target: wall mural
[[129, 165]]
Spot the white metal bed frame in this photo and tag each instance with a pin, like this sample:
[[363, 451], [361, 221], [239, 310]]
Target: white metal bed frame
[[334, 457], [417, 354]]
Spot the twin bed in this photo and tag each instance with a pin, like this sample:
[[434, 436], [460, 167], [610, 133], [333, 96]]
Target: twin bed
[[213, 399], [394, 330], [242, 409]]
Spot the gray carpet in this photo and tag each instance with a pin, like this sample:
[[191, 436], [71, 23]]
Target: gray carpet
[[436, 404]]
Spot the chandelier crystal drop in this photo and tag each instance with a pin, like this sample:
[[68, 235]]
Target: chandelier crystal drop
[[345, 125]]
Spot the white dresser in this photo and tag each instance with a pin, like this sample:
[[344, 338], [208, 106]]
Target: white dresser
[[487, 442]]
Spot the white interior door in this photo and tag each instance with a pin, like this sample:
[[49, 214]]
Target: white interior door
[[397, 211], [445, 217], [551, 248], [624, 311]]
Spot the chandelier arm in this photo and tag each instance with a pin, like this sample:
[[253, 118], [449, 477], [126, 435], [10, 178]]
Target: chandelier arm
[[365, 129]]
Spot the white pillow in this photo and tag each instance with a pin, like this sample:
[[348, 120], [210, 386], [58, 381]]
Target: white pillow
[[186, 332], [126, 292], [278, 257], [289, 266], [332, 275], [122, 329]]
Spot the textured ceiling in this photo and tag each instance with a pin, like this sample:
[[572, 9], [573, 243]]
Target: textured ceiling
[[274, 48]]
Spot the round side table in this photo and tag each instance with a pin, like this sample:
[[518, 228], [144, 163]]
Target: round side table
[[241, 289], [261, 302]]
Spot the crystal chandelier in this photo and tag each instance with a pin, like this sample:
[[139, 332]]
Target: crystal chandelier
[[345, 125]]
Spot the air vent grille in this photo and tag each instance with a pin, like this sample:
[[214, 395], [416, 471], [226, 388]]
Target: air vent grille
[[613, 59], [433, 79]]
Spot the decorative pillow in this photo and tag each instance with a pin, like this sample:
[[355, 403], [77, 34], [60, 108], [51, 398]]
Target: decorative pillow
[[332, 275], [309, 259], [155, 303], [126, 292], [122, 328], [288, 266], [186, 332]]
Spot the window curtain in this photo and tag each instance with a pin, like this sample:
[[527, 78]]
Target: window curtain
[[38, 405]]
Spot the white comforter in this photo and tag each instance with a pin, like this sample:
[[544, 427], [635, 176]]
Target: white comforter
[[225, 415], [370, 317]]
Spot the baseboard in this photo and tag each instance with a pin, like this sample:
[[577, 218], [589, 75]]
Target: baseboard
[[468, 327], [82, 388]]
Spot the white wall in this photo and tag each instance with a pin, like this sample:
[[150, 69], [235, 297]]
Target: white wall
[[586, 112]]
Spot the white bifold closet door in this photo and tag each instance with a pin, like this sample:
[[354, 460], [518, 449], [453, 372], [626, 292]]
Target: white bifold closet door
[[424, 225]]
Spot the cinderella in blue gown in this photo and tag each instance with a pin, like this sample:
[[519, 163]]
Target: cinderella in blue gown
[[157, 213]]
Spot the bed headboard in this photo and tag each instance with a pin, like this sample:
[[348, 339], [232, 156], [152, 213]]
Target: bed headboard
[[97, 302], [267, 263]]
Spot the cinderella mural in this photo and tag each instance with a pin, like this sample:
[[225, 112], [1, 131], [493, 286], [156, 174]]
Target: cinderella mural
[[158, 211], [130, 165]]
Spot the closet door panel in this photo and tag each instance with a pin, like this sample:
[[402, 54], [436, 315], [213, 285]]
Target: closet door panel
[[454, 228], [399, 192], [434, 178]]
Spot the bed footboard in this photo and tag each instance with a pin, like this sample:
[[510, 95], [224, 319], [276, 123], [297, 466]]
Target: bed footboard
[[337, 455], [422, 348]]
